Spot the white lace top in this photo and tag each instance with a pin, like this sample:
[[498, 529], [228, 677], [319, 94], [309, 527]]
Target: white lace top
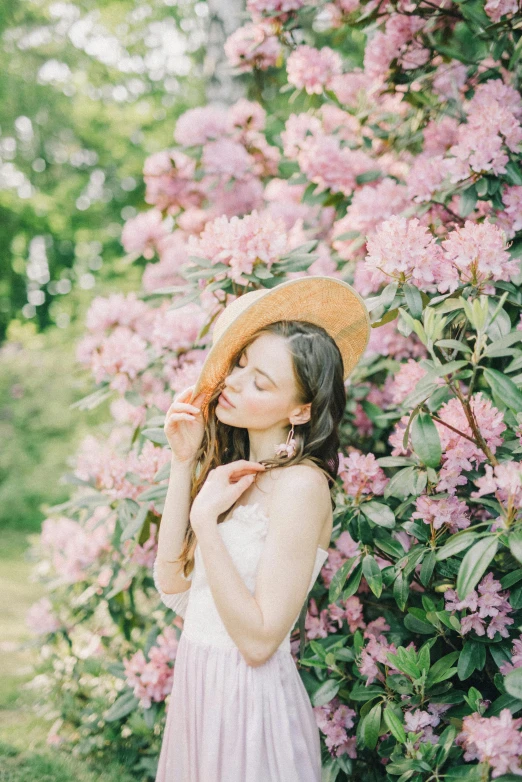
[[243, 534]]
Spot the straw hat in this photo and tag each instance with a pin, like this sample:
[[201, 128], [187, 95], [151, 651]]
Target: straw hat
[[325, 301]]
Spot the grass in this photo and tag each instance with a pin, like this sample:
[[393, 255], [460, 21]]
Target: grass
[[24, 754]]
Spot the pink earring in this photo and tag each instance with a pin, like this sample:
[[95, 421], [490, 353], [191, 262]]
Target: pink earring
[[289, 448]]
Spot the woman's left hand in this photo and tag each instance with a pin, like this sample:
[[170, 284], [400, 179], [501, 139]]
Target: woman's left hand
[[223, 486]]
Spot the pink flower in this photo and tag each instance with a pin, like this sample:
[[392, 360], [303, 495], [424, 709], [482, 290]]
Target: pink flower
[[226, 157], [199, 125], [152, 680], [504, 480], [516, 658], [404, 250], [371, 204], [40, 618], [446, 510], [261, 8], [247, 115], [252, 46], [313, 69], [360, 474], [496, 741], [141, 233], [495, 9], [476, 253], [241, 242], [333, 719]]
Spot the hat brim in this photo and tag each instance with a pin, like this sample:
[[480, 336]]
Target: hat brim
[[326, 301]]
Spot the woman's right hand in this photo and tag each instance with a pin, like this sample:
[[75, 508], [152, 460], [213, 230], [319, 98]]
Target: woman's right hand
[[184, 426]]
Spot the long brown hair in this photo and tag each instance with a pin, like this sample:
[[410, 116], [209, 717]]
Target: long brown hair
[[318, 371]]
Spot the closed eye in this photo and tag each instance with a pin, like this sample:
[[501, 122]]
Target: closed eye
[[237, 364]]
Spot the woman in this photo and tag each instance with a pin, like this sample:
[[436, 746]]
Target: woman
[[241, 543]]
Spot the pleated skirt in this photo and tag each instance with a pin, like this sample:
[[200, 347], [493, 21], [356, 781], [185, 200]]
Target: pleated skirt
[[231, 722]]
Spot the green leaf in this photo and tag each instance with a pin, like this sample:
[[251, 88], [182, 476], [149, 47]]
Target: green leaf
[[515, 544], [474, 565], [416, 625], [413, 300], [504, 388], [456, 544], [371, 726], [401, 590], [339, 578], [325, 692], [513, 683], [472, 658], [156, 435], [427, 568], [122, 706], [468, 200], [394, 725], [379, 513], [425, 440], [439, 670], [372, 573], [513, 172], [352, 585]]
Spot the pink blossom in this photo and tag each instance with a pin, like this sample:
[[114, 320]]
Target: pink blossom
[[120, 358], [446, 510], [73, 547], [331, 166], [247, 115], [496, 741], [440, 135], [460, 453], [116, 310], [241, 242], [360, 474], [504, 480], [177, 329], [152, 680], [169, 180], [370, 205], [141, 233], [201, 124], [476, 253], [333, 719], [388, 341], [426, 177], [252, 46], [512, 215], [396, 42], [375, 651], [261, 8], [496, 9], [350, 88], [40, 618], [516, 657], [313, 69], [226, 157], [298, 128], [404, 250], [449, 79]]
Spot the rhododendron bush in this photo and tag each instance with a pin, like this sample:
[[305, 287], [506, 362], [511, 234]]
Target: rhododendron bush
[[380, 144]]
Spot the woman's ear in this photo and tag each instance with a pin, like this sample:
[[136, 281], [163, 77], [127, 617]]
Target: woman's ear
[[303, 416]]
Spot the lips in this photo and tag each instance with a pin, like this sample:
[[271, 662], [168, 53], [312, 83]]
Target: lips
[[225, 397]]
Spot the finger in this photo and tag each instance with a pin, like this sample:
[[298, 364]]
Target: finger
[[180, 417], [241, 464], [185, 407]]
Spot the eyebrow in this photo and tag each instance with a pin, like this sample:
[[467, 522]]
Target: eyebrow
[[256, 369]]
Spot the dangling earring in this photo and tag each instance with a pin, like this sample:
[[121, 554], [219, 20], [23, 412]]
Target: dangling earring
[[287, 449]]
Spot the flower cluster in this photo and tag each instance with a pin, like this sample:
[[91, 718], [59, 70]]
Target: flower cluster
[[486, 602]]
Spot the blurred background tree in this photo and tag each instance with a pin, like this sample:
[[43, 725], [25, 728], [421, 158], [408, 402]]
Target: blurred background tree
[[88, 90]]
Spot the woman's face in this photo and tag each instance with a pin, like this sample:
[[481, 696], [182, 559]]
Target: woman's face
[[261, 386]]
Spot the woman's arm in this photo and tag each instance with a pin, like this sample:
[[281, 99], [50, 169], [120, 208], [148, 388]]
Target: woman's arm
[[173, 527]]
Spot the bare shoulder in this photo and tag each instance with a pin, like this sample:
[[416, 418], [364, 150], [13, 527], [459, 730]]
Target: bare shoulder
[[302, 482]]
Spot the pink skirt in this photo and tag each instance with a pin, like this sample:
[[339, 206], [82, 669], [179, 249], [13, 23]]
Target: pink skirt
[[231, 722]]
